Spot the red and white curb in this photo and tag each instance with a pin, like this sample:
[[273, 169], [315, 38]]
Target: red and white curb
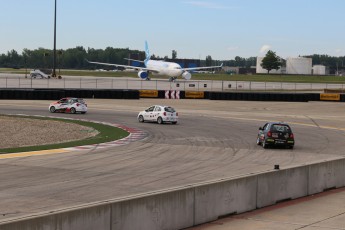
[[134, 135]]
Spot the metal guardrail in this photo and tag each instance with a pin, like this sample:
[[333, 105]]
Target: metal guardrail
[[201, 85]]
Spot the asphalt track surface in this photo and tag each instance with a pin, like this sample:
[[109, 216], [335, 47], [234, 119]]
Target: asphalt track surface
[[213, 140]]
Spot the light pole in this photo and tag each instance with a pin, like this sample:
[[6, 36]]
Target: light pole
[[59, 61], [54, 53], [26, 68]]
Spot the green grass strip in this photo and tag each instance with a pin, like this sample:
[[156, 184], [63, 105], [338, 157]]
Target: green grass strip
[[206, 76], [106, 133]]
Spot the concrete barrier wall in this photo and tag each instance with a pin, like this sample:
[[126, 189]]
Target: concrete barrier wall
[[172, 210], [55, 94], [326, 175], [223, 198], [195, 204], [89, 218], [282, 185]]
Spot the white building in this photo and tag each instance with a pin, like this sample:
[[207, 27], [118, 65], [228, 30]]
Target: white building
[[319, 70], [299, 65]]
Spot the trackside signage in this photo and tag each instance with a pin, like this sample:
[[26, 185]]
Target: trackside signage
[[194, 94], [148, 93], [329, 97]]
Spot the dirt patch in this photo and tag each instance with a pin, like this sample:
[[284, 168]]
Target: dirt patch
[[20, 131]]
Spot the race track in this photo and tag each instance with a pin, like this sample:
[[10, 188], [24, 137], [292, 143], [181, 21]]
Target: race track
[[213, 140]]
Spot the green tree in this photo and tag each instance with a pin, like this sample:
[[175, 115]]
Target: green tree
[[271, 61], [174, 54], [208, 60], [251, 61], [240, 61]]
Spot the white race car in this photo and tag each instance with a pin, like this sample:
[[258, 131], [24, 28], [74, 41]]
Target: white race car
[[68, 105], [159, 114]]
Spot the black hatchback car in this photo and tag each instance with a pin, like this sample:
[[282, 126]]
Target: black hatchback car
[[274, 134]]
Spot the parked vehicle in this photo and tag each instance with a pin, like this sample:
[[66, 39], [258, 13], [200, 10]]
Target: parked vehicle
[[39, 73]]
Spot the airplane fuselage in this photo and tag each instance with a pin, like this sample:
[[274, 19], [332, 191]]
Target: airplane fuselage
[[170, 69], [164, 68]]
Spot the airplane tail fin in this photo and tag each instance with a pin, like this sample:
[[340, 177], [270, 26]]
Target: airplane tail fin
[[147, 53]]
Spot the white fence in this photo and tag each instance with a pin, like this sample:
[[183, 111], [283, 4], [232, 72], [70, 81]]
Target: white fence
[[125, 83]]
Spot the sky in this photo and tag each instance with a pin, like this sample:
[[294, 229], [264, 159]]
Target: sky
[[194, 28]]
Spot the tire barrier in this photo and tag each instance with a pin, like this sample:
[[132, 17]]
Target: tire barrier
[[148, 93], [54, 94], [130, 94], [329, 97], [342, 97], [314, 97], [290, 97], [78, 93], [172, 94], [245, 96], [195, 94]]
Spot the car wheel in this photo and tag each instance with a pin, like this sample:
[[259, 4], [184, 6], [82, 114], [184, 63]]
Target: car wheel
[[82, 112], [258, 141], [174, 122], [141, 118], [52, 109], [159, 120], [264, 144], [73, 110]]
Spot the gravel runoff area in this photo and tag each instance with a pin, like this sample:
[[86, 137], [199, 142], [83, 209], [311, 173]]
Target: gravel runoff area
[[21, 131]]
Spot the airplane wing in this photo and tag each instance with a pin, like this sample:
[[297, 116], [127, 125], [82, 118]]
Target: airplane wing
[[198, 68], [124, 66], [134, 60]]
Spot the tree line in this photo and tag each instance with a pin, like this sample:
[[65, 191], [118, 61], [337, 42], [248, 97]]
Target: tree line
[[74, 58]]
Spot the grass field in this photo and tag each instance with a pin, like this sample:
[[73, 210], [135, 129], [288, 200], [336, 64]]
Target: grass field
[[107, 133], [199, 76]]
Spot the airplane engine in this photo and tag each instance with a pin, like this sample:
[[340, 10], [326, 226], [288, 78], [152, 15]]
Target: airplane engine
[[187, 75], [143, 75]]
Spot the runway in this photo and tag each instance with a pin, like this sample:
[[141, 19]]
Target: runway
[[213, 140], [92, 82]]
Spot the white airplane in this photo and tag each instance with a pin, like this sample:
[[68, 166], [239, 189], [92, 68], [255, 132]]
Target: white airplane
[[170, 69]]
